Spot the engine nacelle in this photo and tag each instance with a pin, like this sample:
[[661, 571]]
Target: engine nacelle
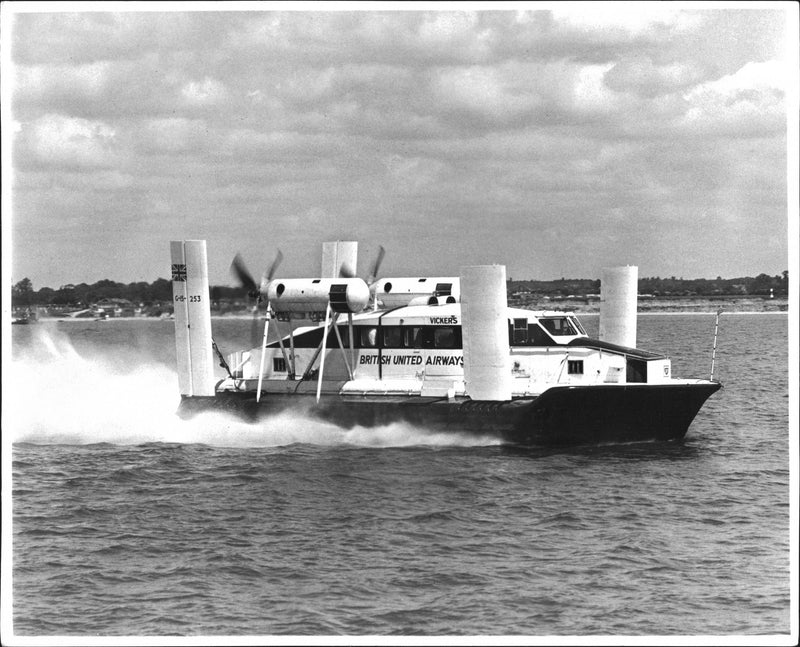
[[396, 292], [313, 295]]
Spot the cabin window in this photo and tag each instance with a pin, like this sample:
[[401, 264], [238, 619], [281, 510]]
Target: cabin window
[[278, 364], [636, 370], [392, 337], [538, 337], [578, 325], [423, 337], [520, 332], [531, 335], [310, 339], [344, 333], [575, 367], [313, 338], [558, 326], [444, 337], [369, 337]]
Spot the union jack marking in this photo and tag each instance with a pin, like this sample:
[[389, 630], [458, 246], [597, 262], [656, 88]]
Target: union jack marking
[[178, 272]]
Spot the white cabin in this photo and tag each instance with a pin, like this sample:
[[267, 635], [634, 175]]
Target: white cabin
[[418, 350]]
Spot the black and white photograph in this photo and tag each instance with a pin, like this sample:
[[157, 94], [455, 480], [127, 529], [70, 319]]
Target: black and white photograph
[[400, 323]]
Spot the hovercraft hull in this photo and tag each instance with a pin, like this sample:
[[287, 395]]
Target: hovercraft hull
[[561, 416]]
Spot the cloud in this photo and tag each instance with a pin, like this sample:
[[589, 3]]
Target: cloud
[[58, 140], [38, 84], [749, 102], [455, 34], [173, 135], [208, 92], [86, 37], [592, 94], [631, 17], [646, 79], [483, 90]]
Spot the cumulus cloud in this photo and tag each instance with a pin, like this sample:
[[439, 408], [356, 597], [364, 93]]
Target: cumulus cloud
[[482, 90], [632, 17], [592, 94], [208, 92], [59, 140], [646, 79], [749, 102]]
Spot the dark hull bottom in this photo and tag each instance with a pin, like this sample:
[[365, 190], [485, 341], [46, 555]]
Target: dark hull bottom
[[569, 415]]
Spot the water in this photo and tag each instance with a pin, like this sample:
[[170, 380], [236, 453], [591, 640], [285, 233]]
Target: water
[[129, 521]]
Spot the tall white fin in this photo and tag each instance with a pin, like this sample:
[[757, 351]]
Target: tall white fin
[[618, 303], [337, 255], [190, 298], [484, 325], [182, 348]]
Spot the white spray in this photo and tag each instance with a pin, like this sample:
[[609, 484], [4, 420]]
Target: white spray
[[56, 395]]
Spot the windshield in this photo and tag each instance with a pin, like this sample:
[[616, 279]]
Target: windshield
[[558, 326], [577, 324]]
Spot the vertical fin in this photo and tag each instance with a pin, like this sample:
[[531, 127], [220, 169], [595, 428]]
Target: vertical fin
[[487, 364], [618, 302], [339, 258], [193, 339], [180, 303]]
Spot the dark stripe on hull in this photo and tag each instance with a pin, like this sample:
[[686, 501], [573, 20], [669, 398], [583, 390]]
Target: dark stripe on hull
[[568, 415]]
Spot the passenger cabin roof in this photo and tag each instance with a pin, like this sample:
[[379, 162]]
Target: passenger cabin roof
[[422, 315], [519, 313], [419, 315], [450, 315]]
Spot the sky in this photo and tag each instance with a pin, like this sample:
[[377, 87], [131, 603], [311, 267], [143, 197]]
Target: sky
[[556, 139]]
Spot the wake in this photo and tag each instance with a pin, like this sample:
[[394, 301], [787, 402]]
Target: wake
[[55, 395]]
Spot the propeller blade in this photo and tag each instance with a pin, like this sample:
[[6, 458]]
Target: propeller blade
[[274, 266], [267, 276], [376, 265], [239, 269]]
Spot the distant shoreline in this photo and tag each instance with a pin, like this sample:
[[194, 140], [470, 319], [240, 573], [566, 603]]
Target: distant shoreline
[[678, 305], [578, 306], [585, 313]]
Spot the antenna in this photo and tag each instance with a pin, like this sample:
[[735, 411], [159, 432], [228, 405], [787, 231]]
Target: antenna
[[714, 350]]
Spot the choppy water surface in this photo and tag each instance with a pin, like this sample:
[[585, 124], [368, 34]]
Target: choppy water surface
[[128, 521]]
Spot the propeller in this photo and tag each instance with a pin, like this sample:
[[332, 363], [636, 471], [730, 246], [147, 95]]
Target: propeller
[[239, 269], [254, 290], [270, 273], [373, 276], [346, 271], [376, 266]]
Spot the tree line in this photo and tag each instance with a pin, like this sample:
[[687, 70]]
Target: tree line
[[761, 285], [83, 294], [160, 290]]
